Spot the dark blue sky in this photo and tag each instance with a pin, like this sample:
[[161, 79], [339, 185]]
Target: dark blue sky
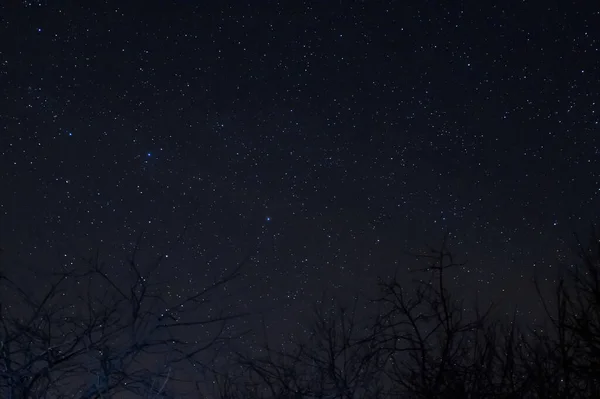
[[332, 136]]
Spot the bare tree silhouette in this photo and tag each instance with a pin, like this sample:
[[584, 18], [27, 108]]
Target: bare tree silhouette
[[415, 341], [422, 342], [564, 357], [93, 334]]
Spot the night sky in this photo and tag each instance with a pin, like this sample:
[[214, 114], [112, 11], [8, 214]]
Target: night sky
[[324, 139]]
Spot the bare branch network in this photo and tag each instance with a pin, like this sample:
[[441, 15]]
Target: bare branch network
[[96, 334], [423, 343], [93, 335]]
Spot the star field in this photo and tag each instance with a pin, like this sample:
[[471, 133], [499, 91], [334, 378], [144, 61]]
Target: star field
[[324, 138]]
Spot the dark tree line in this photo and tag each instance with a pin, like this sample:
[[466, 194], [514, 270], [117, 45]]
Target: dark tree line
[[423, 343], [95, 335]]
